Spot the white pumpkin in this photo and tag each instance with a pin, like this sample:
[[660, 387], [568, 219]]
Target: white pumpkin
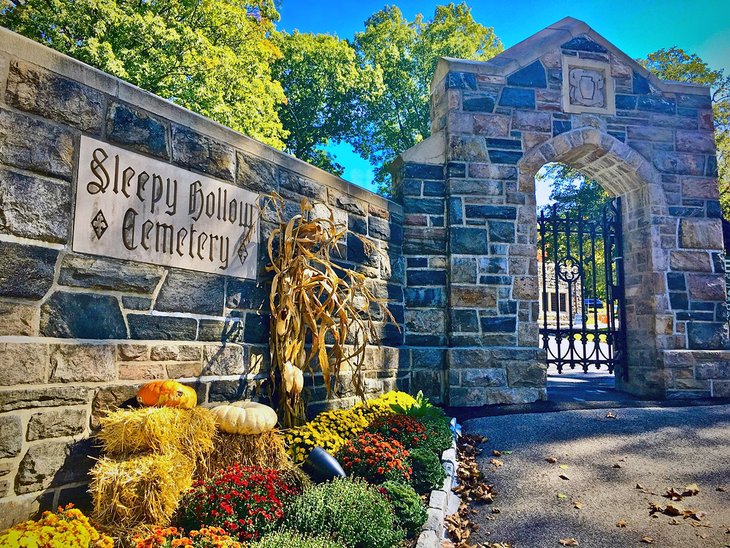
[[245, 417]]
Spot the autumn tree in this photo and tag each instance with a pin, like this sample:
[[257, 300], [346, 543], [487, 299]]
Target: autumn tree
[[676, 64], [324, 85], [211, 56], [406, 53]]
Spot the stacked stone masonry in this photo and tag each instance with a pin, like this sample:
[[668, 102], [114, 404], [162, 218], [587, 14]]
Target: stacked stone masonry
[[80, 333]]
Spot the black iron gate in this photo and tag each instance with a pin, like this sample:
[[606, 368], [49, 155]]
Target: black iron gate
[[583, 320]]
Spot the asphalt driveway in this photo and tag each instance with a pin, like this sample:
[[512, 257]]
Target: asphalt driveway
[[603, 459]]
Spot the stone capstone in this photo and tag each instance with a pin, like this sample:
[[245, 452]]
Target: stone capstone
[[27, 271], [82, 316], [56, 424], [82, 363], [44, 217]]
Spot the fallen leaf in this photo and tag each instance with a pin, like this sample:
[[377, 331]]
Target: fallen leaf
[[563, 477], [506, 452], [621, 523], [568, 542], [578, 504], [721, 489], [496, 453], [562, 496], [673, 494], [673, 522], [563, 466], [694, 514], [496, 463], [617, 466], [673, 510], [647, 540], [496, 510], [690, 490], [610, 415], [553, 460], [639, 486]]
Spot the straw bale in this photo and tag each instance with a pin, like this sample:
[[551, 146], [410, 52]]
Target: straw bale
[[142, 489], [128, 432], [266, 450]]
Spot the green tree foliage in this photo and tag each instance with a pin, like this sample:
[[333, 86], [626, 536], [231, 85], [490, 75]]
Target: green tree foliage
[[211, 56], [676, 64], [324, 85], [406, 53]]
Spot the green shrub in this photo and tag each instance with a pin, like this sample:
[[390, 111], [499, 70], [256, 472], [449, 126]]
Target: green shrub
[[408, 506], [421, 408], [428, 472], [348, 511], [286, 539], [439, 437]]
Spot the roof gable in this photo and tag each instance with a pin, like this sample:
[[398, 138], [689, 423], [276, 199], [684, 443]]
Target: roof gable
[[566, 34]]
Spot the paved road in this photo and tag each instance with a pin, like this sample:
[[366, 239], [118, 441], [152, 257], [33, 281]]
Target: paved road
[[655, 447]]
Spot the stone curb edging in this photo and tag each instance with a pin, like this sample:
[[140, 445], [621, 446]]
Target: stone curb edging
[[441, 503]]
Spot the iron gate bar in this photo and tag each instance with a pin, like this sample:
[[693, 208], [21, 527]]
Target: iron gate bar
[[575, 268]]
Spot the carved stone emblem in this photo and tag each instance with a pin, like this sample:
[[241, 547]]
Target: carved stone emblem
[[587, 88], [99, 224]]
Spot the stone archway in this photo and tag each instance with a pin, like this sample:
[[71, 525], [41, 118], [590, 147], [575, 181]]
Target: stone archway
[[565, 94], [625, 174]]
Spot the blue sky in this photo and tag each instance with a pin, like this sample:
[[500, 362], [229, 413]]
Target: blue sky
[[637, 27]]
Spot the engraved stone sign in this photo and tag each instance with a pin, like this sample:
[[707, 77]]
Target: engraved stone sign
[[129, 206]]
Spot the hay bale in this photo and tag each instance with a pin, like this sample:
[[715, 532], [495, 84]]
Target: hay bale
[[266, 450], [127, 432], [142, 489]]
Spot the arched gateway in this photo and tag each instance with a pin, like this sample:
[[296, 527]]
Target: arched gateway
[[564, 95]]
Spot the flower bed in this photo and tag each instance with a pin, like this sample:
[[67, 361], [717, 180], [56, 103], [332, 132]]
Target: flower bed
[[390, 448]]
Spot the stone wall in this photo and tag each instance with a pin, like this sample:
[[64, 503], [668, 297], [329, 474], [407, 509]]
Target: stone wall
[[80, 333], [567, 95]]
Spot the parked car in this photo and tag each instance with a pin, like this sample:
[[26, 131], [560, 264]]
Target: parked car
[[593, 303]]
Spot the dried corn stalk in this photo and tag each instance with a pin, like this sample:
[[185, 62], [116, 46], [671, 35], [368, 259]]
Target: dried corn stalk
[[320, 311]]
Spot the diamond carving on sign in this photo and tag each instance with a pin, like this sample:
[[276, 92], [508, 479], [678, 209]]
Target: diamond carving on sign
[[99, 224], [587, 87]]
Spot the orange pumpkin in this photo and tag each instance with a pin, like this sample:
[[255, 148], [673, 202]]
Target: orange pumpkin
[[167, 394]]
